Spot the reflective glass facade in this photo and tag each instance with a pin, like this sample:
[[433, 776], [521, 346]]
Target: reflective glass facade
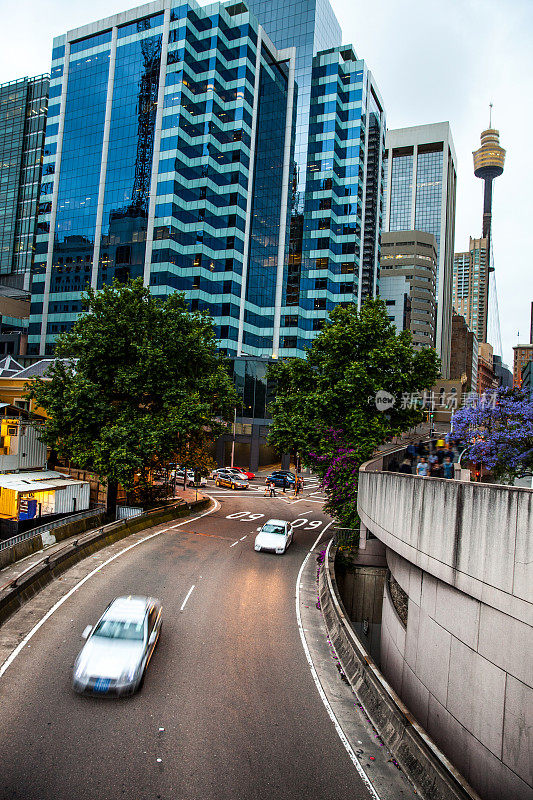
[[185, 146], [168, 157], [23, 106], [420, 178], [344, 191]]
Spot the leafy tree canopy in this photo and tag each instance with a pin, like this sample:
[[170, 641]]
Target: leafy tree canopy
[[356, 355], [498, 432], [145, 381], [325, 406]]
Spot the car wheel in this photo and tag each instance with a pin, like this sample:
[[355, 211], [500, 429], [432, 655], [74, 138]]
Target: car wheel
[[217, 483], [233, 486]]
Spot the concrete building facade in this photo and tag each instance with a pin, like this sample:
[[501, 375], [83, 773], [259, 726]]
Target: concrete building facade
[[420, 180], [464, 353], [412, 256], [522, 354], [486, 378], [462, 555]]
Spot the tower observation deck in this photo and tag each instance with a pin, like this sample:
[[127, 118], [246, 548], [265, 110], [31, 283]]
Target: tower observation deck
[[488, 164]]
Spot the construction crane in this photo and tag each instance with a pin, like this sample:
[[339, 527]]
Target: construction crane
[[146, 114]]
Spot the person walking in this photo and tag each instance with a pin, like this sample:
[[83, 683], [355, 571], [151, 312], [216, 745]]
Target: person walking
[[422, 468], [411, 451], [284, 484], [435, 470], [448, 468], [406, 467], [272, 488]]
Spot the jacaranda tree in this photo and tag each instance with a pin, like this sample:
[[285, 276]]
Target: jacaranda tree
[[497, 430]]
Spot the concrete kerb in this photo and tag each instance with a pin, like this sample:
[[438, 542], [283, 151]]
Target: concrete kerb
[[37, 577], [433, 776]]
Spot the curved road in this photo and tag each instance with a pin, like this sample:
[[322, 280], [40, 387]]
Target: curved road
[[228, 710]]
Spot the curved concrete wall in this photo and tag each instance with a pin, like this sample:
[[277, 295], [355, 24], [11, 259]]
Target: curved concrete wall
[[463, 553]]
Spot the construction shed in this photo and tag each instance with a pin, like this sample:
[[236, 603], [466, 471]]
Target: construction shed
[[31, 495]]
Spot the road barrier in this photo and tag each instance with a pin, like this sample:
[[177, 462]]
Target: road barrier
[[18, 590], [434, 777]]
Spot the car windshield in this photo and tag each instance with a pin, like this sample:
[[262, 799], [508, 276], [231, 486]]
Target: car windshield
[[120, 629], [273, 529]]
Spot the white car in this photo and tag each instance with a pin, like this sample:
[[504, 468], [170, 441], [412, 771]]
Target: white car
[[119, 647], [275, 536]]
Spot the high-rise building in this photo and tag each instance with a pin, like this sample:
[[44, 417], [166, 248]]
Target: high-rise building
[[412, 257], [168, 155], [471, 286], [344, 189], [420, 180], [181, 169], [311, 26], [23, 106]]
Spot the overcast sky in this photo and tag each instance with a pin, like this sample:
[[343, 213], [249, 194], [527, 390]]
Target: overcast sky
[[433, 60]]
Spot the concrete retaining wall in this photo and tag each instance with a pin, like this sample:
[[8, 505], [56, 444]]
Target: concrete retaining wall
[[463, 553], [32, 581], [432, 774]]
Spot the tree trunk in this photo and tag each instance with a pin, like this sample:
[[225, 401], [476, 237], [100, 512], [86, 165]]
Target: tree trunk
[[112, 491]]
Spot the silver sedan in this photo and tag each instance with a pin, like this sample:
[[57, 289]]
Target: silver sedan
[[119, 647]]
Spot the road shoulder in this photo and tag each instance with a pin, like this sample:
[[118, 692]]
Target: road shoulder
[[388, 781]]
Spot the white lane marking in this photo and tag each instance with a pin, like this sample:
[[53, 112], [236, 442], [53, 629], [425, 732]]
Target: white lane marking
[[242, 538], [9, 660], [187, 597], [234, 543], [362, 774]]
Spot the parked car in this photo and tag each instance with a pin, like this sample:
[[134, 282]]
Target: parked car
[[281, 478], [234, 480], [235, 470], [119, 647], [180, 473], [275, 536]]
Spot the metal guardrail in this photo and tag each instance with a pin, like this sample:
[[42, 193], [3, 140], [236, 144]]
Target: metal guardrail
[[50, 526], [127, 512]]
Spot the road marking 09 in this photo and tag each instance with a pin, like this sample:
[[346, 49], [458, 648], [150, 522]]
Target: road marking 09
[[244, 516]]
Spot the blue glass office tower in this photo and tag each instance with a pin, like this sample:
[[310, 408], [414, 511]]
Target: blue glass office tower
[[23, 105], [343, 207], [186, 147], [168, 156]]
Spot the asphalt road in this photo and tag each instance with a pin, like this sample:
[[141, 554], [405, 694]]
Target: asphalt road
[[228, 708]]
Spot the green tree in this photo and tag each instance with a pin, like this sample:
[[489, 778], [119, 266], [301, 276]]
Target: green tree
[[145, 380], [326, 404]]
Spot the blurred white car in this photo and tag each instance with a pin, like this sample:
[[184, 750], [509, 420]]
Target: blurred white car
[[275, 536], [119, 647]]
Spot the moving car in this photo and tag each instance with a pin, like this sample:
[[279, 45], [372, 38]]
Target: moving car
[[119, 647], [275, 536], [281, 477], [235, 480]]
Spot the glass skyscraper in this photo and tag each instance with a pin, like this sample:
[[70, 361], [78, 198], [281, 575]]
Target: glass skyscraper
[[186, 147], [420, 187], [23, 105], [168, 155]]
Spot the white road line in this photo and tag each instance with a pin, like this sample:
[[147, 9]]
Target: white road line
[[234, 543], [242, 538], [9, 660], [187, 597], [362, 774]]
